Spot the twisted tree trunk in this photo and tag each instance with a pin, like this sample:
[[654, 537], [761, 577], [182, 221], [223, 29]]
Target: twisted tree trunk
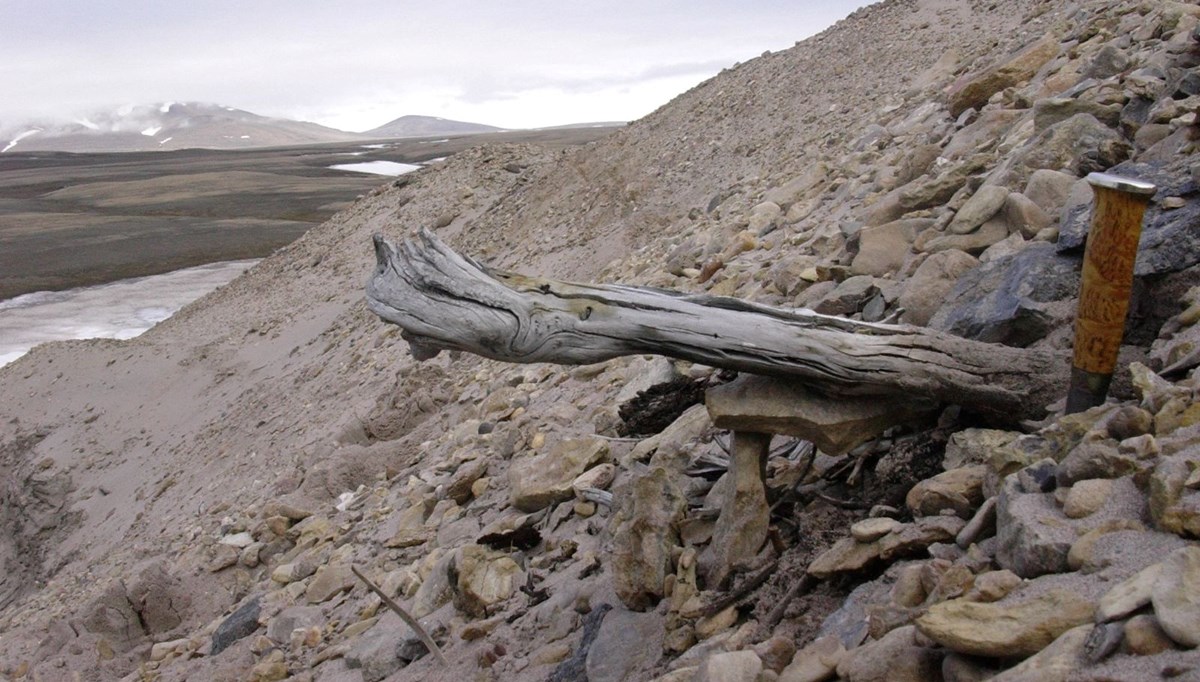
[[443, 300]]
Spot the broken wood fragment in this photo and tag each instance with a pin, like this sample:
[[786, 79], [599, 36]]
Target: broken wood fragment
[[404, 616]]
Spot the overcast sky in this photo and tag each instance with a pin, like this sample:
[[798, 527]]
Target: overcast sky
[[356, 65]]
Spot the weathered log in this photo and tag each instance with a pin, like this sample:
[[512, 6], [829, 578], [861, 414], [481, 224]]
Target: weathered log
[[446, 301]]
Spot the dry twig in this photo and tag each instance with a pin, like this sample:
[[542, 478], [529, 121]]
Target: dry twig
[[412, 622]]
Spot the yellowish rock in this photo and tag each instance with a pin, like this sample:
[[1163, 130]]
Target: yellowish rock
[[1005, 630], [707, 627]]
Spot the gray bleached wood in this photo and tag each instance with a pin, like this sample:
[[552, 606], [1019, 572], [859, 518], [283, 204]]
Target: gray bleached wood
[[445, 301]]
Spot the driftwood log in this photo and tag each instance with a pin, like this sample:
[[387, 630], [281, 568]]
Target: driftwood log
[[445, 301]]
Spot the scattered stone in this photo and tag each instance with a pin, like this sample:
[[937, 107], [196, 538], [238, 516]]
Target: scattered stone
[[973, 91], [626, 642], [460, 485], [981, 525], [1086, 497], [931, 283], [223, 556], [776, 652], [649, 508], [982, 205], [1031, 541], [718, 622], [730, 666], [1085, 555], [1102, 641], [993, 586], [1053, 110], [241, 623], [1174, 506], [1095, 458], [1024, 216], [538, 481], [387, 647], [816, 662], [897, 657], [913, 537], [870, 530], [1048, 189], [1128, 596], [409, 525], [238, 540], [1055, 663], [280, 627], [741, 528], [328, 581], [882, 249], [437, 589], [909, 590], [287, 510], [486, 577], [1079, 145], [271, 669], [1176, 596], [975, 243], [974, 446], [958, 490], [1145, 637], [959, 668], [1006, 629], [299, 569], [848, 297], [161, 650], [845, 556], [600, 477]]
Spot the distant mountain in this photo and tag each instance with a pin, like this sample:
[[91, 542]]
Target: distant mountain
[[428, 126], [591, 124], [171, 125]]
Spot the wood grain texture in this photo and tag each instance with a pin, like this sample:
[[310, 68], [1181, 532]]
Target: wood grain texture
[[1107, 278], [445, 301]]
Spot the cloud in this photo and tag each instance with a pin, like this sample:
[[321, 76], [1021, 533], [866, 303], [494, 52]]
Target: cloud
[[359, 63]]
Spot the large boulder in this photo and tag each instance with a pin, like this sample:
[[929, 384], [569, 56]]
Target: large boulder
[[1170, 240], [1079, 145], [933, 280], [1009, 300]]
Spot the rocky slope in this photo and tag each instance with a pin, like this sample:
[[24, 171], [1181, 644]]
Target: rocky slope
[[190, 504]]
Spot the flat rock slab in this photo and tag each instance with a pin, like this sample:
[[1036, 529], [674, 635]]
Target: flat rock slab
[[1002, 629], [1176, 596], [766, 405]]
